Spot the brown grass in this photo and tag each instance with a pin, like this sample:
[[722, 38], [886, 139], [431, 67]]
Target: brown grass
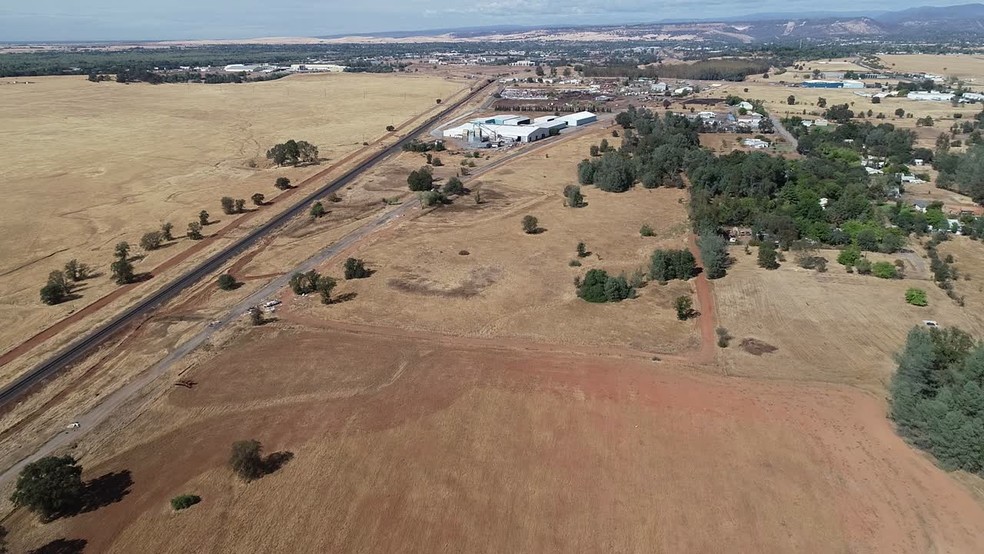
[[97, 163], [401, 446]]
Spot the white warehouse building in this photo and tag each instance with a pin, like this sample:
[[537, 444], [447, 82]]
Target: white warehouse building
[[579, 118]]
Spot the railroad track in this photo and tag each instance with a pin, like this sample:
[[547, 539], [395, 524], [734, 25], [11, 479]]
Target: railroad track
[[75, 351]]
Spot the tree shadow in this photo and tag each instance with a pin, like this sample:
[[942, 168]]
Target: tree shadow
[[62, 546], [348, 296], [137, 258], [105, 490], [276, 460], [141, 277], [211, 222]]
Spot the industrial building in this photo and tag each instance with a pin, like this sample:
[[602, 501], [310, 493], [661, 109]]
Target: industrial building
[[932, 96], [578, 119], [814, 83], [504, 128]]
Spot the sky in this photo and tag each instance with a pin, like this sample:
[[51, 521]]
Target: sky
[[79, 20]]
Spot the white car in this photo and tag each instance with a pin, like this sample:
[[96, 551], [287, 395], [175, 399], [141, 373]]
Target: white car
[[931, 324], [272, 303]]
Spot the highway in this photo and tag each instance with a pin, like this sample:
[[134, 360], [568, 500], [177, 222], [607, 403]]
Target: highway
[[77, 350]]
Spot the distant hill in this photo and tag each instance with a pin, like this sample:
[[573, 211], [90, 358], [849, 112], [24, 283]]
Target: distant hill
[[964, 21]]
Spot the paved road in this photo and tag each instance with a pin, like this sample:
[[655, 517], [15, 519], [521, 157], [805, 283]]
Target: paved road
[[111, 402], [783, 132], [80, 348]]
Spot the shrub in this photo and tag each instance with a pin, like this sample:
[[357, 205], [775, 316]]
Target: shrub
[[884, 270], [916, 297], [863, 266], [166, 229], [582, 250], [203, 218], [317, 210], [355, 269], [184, 501], [420, 180], [531, 225], [227, 282], [240, 206], [684, 307], [574, 263], [849, 256], [431, 198], [647, 231], [282, 183], [255, 315], [724, 337], [258, 198], [77, 271], [228, 205], [390, 128]]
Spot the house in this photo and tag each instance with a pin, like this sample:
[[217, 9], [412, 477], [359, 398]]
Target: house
[[873, 170], [660, 87], [918, 161], [746, 105], [578, 119], [739, 234], [920, 205], [931, 96], [757, 144], [910, 178]]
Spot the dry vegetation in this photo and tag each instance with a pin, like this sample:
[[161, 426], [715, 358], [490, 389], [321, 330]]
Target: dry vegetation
[[103, 162]]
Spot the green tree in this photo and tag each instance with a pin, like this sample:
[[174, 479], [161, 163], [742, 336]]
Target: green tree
[[582, 251], [151, 240], [258, 198], [790, 99], [317, 210], [684, 307], [767, 256], [77, 271], [227, 282], [916, 297], [325, 285], [573, 197], [203, 218], [240, 206], [246, 460], [585, 172], [122, 271], [57, 289], [821, 102], [195, 231], [713, 253], [228, 205], [454, 186], [282, 183], [50, 487], [899, 112], [355, 269], [122, 250], [255, 315], [420, 180], [166, 229], [531, 225]]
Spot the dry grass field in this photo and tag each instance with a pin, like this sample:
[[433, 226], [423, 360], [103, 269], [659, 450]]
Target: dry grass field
[[98, 163], [468, 269], [966, 67], [834, 326], [414, 446]]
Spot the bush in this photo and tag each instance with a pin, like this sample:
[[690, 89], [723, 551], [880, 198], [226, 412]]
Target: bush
[[916, 297], [184, 501], [282, 183], [431, 198], [258, 198], [647, 231], [724, 337], [884, 270], [863, 266], [420, 180], [317, 210], [227, 282], [531, 225], [684, 307], [195, 231], [574, 263], [355, 269], [849, 256], [77, 271], [228, 205]]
